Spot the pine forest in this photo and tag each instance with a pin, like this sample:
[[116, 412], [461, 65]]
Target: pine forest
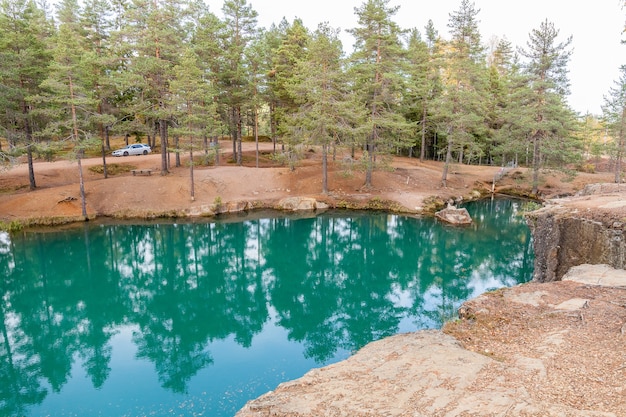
[[179, 77]]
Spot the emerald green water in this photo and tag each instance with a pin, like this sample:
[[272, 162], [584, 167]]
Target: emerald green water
[[195, 319]]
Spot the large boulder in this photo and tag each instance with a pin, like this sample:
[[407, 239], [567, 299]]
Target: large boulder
[[454, 215]]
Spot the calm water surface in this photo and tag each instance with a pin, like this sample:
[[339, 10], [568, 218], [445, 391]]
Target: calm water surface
[[196, 319]]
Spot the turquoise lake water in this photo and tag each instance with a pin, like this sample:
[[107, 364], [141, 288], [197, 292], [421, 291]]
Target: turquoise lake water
[[195, 319]]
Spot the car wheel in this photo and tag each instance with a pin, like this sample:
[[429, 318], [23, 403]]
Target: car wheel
[[125, 153], [145, 152]]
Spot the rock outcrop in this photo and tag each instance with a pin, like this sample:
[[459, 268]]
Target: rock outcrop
[[570, 232], [540, 349], [453, 215], [300, 204]]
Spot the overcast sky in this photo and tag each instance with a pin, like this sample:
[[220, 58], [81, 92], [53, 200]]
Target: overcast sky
[[596, 28]]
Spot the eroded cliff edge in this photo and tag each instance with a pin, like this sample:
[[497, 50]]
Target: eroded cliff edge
[[539, 349], [587, 228]]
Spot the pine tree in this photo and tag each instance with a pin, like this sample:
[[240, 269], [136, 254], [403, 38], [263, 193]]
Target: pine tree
[[377, 68], [551, 121], [614, 114], [506, 115], [64, 89], [152, 34], [286, 58], [324, 114], [190, 94], [207, 43], [99, 63], [272, 39], [460, 109], [234, 77], [24, 59], [423, 83]]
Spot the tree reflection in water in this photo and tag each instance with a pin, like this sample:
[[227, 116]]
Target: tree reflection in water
[[332, 283]]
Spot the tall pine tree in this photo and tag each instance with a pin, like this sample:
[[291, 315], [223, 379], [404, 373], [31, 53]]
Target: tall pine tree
[[376, 68], [67, 100], [24, 59], [240, 28], [460, 108], [614, 113], [550, 119]]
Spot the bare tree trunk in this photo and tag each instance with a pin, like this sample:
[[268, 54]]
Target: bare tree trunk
[[273, 123], [536, 163], [370, 162], [423, 147], [192, 185], [217, 150], [29, 146], [238, 130], [234, 132], [256, 135], [176, 142], [325, 168], [31, 167], [107, 138], [104, 162], [163, 135], [446, 166]]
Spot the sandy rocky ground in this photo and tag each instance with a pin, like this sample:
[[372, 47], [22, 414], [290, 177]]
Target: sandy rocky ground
[[410, 185], [556, 349]]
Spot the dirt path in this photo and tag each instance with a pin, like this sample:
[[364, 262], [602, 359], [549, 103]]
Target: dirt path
[[408, 184]]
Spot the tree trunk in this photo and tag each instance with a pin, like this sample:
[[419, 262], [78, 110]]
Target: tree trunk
[[107, 138], [104, 162], [446, 165], [536, 162], [238, 129], [256, 135], [31, 167], [176, 142], [29, 146], [370, 162], [163, 135], [234, 132], [423, 147], [83, 198], [273, 123], [192, 185], [217, 150], [325, 168]]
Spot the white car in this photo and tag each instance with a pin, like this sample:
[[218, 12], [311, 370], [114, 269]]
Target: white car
[[134, 149]]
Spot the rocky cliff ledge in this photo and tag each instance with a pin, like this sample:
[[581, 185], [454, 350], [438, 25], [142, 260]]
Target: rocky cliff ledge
[[538, 349], [587, 228]]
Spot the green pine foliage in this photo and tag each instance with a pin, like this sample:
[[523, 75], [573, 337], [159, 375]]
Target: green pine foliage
[[175, 70], [614, 115], [377, 66]]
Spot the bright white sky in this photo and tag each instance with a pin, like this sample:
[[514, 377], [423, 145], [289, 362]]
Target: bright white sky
[[596, 28]]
